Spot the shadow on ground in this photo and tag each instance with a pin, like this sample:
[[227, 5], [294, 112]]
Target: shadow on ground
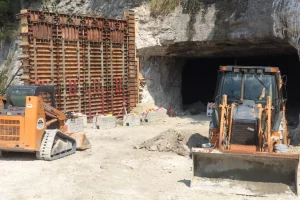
[[196, 140], [186, 182], [18, 156]]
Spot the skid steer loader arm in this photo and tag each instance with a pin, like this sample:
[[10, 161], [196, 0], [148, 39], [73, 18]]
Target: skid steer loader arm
[[2, 102], [82, 142]]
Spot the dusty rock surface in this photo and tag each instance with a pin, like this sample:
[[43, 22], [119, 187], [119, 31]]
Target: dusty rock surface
[[179, 142], [114, 169], [163, 78], [194, 29], [195, 108]]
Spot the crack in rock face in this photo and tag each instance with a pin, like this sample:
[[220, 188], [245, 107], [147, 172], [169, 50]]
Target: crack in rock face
[[286, 15], [206, 28], [220, 28]]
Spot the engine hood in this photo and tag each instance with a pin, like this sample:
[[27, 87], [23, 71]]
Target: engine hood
[[247, 110]]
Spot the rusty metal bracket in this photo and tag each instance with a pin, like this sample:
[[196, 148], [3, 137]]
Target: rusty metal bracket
[[89, 64], [102, 64], [64, 74], [111, 75], [78, 75], [111, 63], [51, 62], [35, 59], [89, 78]]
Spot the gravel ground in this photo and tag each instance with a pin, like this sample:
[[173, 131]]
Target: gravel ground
[[113, 169]]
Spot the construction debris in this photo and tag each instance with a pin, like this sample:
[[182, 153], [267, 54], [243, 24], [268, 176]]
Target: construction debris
[[153, 115], [195, 108], [131, 119], [74, 125], [294, 135], [104, 122], [179, 142]]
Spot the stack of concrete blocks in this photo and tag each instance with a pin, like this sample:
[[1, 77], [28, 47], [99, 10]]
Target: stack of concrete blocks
[[74, 125], [104, 122], [131, 120]]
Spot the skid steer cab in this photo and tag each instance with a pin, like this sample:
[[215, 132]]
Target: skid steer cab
[[31, 123], [248, 135]]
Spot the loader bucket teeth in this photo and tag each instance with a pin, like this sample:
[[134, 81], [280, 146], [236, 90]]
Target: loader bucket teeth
[[81, 141], [259, 173]]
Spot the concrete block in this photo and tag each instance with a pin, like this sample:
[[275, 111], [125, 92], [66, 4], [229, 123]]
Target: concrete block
[[74, 125], [150, 117], [84, 117], [131, 120], [106, 122], [161, 112]]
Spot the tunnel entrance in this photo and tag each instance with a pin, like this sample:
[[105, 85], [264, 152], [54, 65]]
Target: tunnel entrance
[[199, 78]]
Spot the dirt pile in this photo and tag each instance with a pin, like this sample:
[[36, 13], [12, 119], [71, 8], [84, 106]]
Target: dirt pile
[[294, 134], [179, 142], [195, 108]]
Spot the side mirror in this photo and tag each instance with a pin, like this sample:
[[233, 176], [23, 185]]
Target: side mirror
[[217, 98]]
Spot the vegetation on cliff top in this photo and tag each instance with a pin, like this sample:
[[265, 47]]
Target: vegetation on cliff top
[[8, 23], [163, 7]]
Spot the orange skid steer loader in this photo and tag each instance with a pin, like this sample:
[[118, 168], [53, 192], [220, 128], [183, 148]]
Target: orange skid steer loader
[[31, 123], [248, 136]]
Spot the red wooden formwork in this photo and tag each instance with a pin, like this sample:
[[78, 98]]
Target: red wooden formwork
[[90, 60]]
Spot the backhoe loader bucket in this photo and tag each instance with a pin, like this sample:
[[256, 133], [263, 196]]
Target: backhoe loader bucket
[[245, 173], [81, 141]]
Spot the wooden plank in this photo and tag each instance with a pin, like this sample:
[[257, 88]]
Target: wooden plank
[[78, 76]]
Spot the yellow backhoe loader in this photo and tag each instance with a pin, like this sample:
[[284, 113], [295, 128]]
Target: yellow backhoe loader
[[248, 135], [29, 122]]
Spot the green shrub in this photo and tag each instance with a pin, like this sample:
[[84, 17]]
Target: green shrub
[[163, 7], [8, 24], [3, 80]]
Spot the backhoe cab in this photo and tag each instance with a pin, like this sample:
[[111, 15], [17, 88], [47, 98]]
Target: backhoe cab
[[249, 92], [248, 136]]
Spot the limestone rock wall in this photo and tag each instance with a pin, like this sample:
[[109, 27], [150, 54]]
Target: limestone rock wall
[[286, 15], [163, 82], [195, 29]]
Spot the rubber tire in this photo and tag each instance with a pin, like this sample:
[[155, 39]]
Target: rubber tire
[[1, 154]]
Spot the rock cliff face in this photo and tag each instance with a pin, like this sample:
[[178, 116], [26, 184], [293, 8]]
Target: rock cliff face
[[206, 28], [163, 82], [201, 28], [286, 16], [221, 28]]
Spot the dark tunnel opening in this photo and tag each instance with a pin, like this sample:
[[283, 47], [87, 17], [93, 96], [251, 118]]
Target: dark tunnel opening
[[199, 78]]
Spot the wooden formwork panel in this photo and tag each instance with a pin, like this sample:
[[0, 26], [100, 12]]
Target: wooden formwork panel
[[90, 60]]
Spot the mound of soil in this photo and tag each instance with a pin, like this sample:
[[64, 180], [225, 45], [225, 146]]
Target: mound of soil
[[179, 142], [195, 108]]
